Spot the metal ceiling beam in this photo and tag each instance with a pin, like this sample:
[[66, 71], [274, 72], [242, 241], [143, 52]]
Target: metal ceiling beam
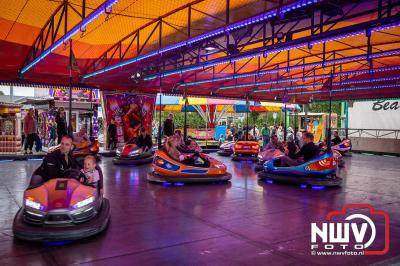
[[337, 34], [280, 10], [97, 64], [41, 41]]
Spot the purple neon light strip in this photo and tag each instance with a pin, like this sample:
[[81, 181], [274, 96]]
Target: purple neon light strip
[[107, 5], [348, 89], [226, 29], [221, 61], [316, 64], [350, 82], [319, 77]]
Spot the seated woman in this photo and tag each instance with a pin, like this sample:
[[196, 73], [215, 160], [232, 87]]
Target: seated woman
[[189, 159], [171, 149], [193, 146], [292, 149], [274, 144], [249, 137], [178, 138]]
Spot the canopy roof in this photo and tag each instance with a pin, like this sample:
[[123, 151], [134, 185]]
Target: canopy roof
[[260, 50]]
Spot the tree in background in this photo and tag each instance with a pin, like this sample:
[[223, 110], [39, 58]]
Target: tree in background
[[323, 107], [194, 120]]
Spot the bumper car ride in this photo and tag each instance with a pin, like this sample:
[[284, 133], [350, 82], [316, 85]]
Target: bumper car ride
[[344, 147], [226, 149], [320, 171], [167, 169], [245, 151], [131, 154], [61, 209]]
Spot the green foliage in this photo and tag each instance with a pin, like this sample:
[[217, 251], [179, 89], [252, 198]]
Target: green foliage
[[194, 120], [323, 107]]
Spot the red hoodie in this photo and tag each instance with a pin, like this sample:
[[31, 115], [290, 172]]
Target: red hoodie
[[29, 125]]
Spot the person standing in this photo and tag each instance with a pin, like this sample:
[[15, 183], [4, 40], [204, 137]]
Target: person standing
[[52, 134], [233, 129], [169, 127], [265, 133], [29, 130], [61, 124], [112, 135]]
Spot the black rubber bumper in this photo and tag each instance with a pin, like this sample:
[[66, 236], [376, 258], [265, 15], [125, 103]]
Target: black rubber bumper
[[331, 181], [129, 161], [28, 232], [244, 157], [224, 153], [155, 177], [259, 166]]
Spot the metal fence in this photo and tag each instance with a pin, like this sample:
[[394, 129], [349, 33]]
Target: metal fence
[[369, 133]]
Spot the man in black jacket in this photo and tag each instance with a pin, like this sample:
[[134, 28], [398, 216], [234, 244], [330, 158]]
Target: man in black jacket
[[144, 141], [169, 126], [307, 152], [57, 164], [336, 139], [112, 135]]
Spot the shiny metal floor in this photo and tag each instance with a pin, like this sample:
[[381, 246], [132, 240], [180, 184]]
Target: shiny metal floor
[[245, 222]]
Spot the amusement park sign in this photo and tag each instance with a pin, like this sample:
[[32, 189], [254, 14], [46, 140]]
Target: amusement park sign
[[385, 105], [378, 114]]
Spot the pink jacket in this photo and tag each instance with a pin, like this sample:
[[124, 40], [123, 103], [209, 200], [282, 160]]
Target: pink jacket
[[29, 125]]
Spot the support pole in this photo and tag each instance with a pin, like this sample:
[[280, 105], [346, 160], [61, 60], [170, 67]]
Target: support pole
[[347, 119], [330, 114], [247, 119], [306, 107], [185, 119], [91, 113], [295, 126], [285, 128], [254, 126], [70, 90], [159, 124]]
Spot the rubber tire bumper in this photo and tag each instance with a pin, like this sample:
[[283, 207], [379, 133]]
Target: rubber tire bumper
[[236, 157], [25, 231], [129, 161], [155, 177], [259, 167], [332, 181], [224, 153]]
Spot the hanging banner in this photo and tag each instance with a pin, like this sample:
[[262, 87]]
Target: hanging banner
[[77, 94], [130, 113]]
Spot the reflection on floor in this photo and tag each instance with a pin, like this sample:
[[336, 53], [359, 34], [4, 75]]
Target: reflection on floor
[[242, 222]]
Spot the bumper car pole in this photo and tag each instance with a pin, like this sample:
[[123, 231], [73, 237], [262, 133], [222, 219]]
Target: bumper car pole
[[91, 114], [185, 118], [159, 117], [70, 90], [285, 128], [330, 112]]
